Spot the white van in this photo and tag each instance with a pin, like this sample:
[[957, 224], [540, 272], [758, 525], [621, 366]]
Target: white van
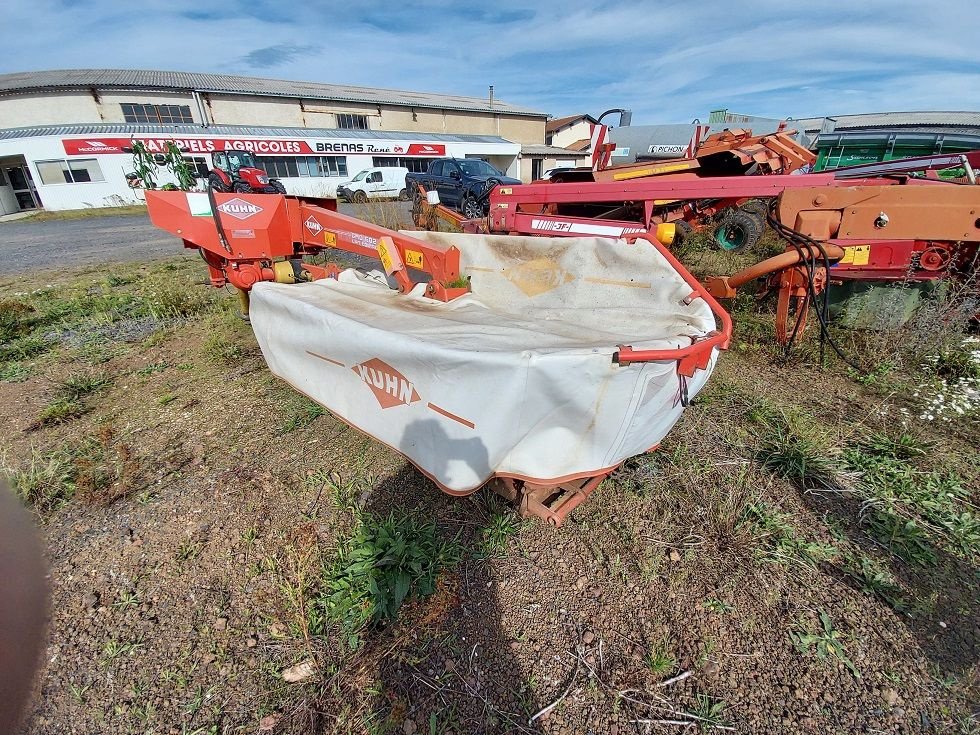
[[383, 182]]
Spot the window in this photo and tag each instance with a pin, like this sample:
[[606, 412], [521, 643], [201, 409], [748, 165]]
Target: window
[[285, 167], [199, 165], [535, 169], [76, 171], [135, 113], [437, 168], [352, 122], [374, 178], [415, 165]]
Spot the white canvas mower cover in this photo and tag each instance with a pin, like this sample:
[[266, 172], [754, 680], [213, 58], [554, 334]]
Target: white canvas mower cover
[[517, 379]]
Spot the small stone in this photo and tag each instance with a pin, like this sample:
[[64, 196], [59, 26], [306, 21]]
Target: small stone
[[581, 582], [588, 637], [711, 668], [409, 727], [268, 722], [91, 600], [614, 729], [251, 642], [890, 696], [300, 672], [221, 623], [515, 645], [674, 555]]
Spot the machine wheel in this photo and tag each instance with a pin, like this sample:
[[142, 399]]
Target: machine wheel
[[242, 187], [683, 231], [216, 183], [403, 195], [359, 197], [737, 230], [471, 208], [277, 185]]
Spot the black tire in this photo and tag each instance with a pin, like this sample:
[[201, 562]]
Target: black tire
[[403, 195], [756, 206], [682, 231], [737, 230], [277, 185], [242, 187], [471, 208], [359, 197], [216, 183]]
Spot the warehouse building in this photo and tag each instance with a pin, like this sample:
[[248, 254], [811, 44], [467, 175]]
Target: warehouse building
[[62, 132]]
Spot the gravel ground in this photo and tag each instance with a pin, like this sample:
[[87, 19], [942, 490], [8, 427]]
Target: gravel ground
[[27, 246]]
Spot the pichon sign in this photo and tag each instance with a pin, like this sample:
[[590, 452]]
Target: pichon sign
[[260, 146]]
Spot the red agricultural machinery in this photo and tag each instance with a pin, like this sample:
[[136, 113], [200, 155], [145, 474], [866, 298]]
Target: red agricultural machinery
[[236, 170]]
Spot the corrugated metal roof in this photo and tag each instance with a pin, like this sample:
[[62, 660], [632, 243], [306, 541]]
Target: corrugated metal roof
[[107, 129], [549, 150], [147, 79], [936, 120]]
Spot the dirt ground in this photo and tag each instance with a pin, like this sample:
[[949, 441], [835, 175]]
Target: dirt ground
[[192, 506]]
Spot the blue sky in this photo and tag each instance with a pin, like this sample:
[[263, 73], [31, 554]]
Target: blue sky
[[667, 61]]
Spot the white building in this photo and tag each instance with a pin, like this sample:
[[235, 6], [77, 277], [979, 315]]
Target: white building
[[79, 166], [61, 132]]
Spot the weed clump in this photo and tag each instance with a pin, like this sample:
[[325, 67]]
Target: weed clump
[[382, 564]]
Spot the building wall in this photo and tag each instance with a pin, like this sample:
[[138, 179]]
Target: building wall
[[226, 109], [115, 191], [566, 136], [569, 161]]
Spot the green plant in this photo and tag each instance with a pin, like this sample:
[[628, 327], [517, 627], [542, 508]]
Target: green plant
[[779, 538], [804, 462], [659, 659], [377, 568], [875, 580], [708, 711], [47, 482], [825, 643], [903, 537], [719, 606], [493, 539], [300, 412]]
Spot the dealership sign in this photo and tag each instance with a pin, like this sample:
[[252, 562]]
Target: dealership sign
[[260, 146]]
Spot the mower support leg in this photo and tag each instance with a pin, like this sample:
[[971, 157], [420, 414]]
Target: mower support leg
[[551, 503]]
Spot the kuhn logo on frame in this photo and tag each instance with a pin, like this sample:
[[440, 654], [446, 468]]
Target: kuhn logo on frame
[[239, 208]]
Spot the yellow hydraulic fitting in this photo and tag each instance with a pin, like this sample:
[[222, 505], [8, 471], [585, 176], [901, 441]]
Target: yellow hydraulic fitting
[[666, 232], [284, 272]]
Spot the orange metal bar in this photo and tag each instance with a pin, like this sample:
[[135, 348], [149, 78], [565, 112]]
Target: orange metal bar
[[695, 356]]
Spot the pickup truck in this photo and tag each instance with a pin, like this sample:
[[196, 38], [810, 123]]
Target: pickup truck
[[462, 183]]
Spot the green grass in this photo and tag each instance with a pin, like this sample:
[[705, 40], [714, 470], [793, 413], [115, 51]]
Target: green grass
[[708, 712], [875, 580], [46, 482], [503, 524], [660, 660], [826, 643], [68, 401], [300, 412], [779, 539], [804, 462], [383, 563], [910, 509]]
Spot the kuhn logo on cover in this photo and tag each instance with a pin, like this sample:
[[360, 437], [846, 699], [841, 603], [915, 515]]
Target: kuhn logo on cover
[[239, 208], [313, 226], [389, 386]]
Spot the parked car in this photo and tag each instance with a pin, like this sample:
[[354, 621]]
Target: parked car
[[382, 182], [462, 183]]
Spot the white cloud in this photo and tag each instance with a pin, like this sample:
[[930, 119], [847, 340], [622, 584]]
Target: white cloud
[[668, 61]]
